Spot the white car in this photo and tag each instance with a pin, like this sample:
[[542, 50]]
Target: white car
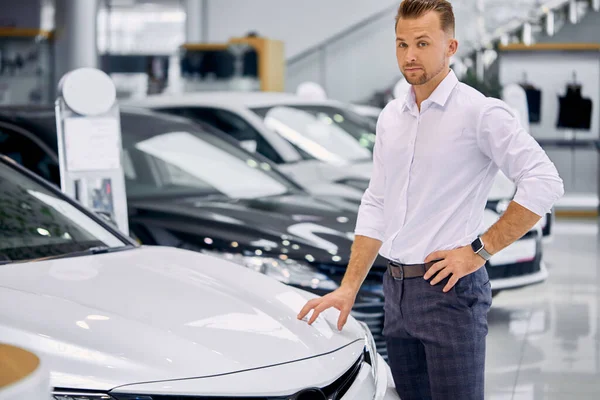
[[233, 114], [370, 112], [112, 320]]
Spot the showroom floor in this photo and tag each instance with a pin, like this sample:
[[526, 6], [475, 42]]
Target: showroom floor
[[544, 340]]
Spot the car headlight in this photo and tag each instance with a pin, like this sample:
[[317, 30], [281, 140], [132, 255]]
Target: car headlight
[[80, 396], [371, 349], [65, 395], [290, 272]]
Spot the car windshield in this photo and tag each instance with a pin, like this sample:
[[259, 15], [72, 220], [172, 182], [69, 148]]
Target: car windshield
[[164, 157], [339, 131], [36, 222]]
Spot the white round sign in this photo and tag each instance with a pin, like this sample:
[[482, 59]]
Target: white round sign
[[88, 91], [311, 91]]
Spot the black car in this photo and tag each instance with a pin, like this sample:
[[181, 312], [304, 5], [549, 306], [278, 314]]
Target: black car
[[194, 189]]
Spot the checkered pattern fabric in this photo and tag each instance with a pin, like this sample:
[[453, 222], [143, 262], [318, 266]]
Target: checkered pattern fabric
[[436, 340]]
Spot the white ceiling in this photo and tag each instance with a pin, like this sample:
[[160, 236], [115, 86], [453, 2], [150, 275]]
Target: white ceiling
[[496, 14], [491, 15]]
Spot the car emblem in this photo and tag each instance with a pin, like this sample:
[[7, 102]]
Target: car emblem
[[309, 394]]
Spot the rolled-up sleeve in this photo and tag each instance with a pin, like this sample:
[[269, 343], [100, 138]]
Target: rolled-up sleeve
[[370, 221], [504, 140]]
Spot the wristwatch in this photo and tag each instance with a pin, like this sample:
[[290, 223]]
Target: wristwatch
[[479, 248]]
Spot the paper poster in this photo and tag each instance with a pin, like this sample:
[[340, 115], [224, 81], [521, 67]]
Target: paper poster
[[92, 144]]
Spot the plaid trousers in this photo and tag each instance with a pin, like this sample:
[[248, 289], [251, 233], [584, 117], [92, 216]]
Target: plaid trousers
[[436, 340]]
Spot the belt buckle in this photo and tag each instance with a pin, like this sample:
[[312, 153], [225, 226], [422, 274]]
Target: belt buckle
[[401, 268]]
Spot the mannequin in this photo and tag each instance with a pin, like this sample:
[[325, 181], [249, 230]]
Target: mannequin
[[515, 96]]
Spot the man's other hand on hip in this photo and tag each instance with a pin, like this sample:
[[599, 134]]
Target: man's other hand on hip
[[455, 264]]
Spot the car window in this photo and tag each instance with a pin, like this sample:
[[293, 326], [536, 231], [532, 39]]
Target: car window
[[177, 158], [316, 135], [236, 127], [360, 128], [36, 222], [28, 153]]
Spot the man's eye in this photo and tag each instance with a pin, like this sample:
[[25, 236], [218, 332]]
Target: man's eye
[[422, 44], [402, 45]]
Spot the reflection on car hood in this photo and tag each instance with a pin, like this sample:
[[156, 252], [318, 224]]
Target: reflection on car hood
[[294, 225], [156, 313]]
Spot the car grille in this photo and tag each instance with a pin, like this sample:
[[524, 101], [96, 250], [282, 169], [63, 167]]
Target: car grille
[[334, 391], [368, 307]]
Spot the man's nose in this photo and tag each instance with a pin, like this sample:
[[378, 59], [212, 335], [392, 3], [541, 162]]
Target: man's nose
[[410, 55]]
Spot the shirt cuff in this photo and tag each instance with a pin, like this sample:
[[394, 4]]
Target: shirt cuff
[[369, 232], [540, 211]]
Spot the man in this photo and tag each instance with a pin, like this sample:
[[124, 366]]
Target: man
[[436, 155]]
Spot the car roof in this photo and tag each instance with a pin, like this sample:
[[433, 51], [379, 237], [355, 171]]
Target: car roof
[[227, 99], [41, 120], [29, 112]]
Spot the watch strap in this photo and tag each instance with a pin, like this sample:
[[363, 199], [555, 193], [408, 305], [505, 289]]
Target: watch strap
[[479, 248], [484, 254]]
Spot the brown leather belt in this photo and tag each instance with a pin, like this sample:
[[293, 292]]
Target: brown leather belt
[[406, 271]]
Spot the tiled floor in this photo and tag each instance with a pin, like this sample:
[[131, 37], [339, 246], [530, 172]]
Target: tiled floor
[[544, 341]]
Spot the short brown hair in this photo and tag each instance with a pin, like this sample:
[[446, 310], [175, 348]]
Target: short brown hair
[[417, 8]]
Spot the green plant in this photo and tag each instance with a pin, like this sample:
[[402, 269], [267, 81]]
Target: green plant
[[489, 87]]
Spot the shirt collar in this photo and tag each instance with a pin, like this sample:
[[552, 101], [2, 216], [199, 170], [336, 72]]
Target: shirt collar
[[440, 95]]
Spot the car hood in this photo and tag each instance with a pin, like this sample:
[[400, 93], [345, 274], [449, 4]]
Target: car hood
[[295, 226], [156, 313]]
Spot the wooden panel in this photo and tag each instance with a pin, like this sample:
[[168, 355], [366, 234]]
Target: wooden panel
[[204, 46], [275, 80], [16, 364], [271, 66], [551, 47], [585, 214], [24, 32]]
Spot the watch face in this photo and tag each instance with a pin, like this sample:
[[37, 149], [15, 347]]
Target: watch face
[[477, 245]]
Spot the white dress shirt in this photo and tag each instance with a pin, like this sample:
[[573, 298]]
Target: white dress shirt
[[433, 170]]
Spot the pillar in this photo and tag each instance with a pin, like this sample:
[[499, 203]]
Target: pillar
[[195, 21], [75, 35]]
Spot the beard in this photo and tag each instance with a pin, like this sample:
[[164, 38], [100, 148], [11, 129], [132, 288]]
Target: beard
[[422, 77]]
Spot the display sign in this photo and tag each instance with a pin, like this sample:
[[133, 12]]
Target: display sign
[[89, 144], [92, 144]]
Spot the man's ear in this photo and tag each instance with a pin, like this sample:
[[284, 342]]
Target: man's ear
[[452, 47]]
